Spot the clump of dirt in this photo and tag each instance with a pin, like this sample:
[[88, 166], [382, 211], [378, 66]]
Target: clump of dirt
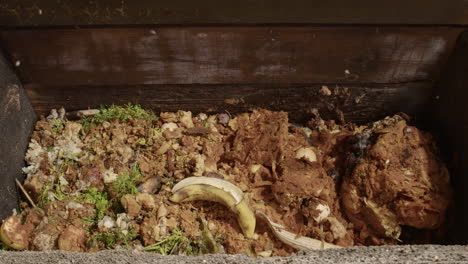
[[104, 181], [398, 181]]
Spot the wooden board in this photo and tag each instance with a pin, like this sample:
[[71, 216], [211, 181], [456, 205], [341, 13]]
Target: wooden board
[[17, 120], [359, 104], [17, 13], [227, 55], [450, 123]]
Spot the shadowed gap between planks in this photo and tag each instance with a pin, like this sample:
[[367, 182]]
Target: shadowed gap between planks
[[17, 13], [362, 104], [450, 122]]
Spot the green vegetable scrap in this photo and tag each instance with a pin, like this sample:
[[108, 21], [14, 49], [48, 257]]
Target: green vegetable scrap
[[176, 242], [57, 125], [122, 113], [43, 198], [99, 199], [112, 238], [125, 183]]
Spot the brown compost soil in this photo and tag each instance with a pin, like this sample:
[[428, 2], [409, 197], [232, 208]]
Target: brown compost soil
[[375, 181]]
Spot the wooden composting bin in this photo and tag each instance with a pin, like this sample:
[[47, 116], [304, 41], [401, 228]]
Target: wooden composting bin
[[207, 56]]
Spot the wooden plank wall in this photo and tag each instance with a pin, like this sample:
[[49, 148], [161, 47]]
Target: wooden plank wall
[[17, 119], [449, 121], [18, 13], [220, 55], [359, 104], [197, 68]]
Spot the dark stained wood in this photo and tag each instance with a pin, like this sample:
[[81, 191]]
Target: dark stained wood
[[124, 12], [450, 122], [360, 104], [17, 120], [225, 55]]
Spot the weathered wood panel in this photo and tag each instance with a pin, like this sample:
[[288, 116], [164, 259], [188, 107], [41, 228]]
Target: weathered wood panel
[[17, 120], [118, 12], [359, 104], [450, 122], [224, 55]]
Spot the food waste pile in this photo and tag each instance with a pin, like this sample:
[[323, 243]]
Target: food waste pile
[[175, 183]]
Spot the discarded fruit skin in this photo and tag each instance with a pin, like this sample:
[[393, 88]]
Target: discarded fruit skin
[[293, 240], [210, 242], [14, 234], [245, 218], [226, 186]]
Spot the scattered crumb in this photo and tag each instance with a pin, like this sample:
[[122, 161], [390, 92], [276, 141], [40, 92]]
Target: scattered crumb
[[325, 91]]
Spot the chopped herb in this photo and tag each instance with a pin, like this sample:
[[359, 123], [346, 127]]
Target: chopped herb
[[175, 243], [123, 113], [142, 141], [112, 238], [99, 199], [43, 198], [125, 183], [57, 125]]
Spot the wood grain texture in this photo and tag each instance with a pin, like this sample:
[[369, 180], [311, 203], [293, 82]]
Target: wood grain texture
[[16, 13], [17, 120], [225, 55], [450, 122], [359, 104]]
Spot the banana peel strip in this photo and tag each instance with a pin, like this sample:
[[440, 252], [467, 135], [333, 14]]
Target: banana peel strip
[[218, 183], [217, 190], [293, 240]]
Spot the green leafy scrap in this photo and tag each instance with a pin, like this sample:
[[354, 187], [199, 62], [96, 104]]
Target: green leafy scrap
[[43, 198], [59, 194], [142, 141], [99, 199], [57, 125], [111, 239], [177, 241], [125, 183], [123, 113]]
